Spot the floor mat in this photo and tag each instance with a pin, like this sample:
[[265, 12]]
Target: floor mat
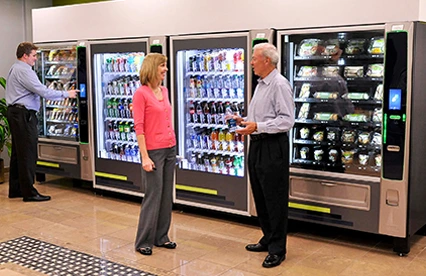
[[56, 260]]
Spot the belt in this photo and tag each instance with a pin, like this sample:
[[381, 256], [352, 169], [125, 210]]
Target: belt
[[19, 106], [261, 136]]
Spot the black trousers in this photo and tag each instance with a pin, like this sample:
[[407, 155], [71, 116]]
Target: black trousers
[[268, 165], [23, 126]]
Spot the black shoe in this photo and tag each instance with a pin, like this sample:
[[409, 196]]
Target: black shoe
[[145, 250], [168, 245], [36, 198], [257, 247], [273, 260]]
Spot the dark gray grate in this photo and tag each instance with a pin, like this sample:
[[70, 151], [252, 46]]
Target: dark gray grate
[[56, 260]]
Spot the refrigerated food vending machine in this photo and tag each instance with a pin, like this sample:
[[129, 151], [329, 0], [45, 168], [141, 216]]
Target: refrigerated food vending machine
[[354, 161], [212, 77], [114, 71], [64, 146]]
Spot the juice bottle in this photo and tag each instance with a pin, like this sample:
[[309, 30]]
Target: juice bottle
[[228, 138], [221, 137], [214, 140]]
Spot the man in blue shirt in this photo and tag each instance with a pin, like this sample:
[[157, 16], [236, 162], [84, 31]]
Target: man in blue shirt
[[270, 116], [23, 92]]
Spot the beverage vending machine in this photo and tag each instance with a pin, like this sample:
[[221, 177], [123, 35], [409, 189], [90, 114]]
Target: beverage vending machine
[[114, 68], [64, 146], [212, 77], [356, 160]]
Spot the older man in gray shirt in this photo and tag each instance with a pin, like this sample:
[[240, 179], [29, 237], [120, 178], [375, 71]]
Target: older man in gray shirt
[[23, 92], [270, 116]]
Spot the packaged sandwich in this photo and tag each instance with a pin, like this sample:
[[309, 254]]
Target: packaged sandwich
[[377, 45], [354, 71], [304, 111], [330, 71], [356, 96], [305, 90], [326, 95], [355, 117], [355, 46], [309, 47], [377, 115], [378, 95], [326, 116], [307, 71], [375, 70]]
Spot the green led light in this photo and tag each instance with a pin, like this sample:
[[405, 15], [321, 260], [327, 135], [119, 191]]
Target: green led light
[[385, 117], [395, 117], [404, 117]]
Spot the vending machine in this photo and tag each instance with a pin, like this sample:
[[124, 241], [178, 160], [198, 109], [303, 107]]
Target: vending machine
[[114, 71], [212, 78], [356, 153], [64, 146]]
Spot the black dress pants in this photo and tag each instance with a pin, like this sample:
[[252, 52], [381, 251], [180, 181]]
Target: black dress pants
[[23, 126], [268, 165]]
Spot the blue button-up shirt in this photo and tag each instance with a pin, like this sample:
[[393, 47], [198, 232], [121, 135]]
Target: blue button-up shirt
[[272, 106], [23, 87]]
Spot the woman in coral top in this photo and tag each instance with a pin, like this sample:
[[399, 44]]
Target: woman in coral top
[[152, 113]]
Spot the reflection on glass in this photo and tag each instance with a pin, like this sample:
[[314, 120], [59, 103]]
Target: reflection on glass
[[337, 80], [210, 86], [116, 80], [56, 68]]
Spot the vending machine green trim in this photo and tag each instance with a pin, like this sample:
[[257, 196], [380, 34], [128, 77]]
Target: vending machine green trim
[[385, 116], [256, 41], [309, 207], [196, 189], [112, 176], [48, 164]]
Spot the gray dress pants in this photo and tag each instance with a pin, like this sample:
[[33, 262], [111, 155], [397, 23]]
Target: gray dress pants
[[156, 210]]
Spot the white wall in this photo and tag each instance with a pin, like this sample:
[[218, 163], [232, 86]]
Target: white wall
[[15, 27], [133, 18]]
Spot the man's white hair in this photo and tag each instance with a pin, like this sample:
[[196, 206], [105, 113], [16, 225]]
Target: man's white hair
[[269, 51]]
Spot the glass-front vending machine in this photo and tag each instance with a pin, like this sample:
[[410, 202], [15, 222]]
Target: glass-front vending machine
[[335, 145], [115, 66], [212, 77], [64, 146], [357, 150]]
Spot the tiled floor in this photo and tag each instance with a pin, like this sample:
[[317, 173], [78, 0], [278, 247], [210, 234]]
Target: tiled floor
[[208, 244]]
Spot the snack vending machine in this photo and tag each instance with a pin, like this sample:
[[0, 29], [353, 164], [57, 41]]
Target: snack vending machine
[[64, 146], [114, 68], [212, 79], [358, 94]]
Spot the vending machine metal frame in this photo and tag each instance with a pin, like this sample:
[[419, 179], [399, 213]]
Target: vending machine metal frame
[[66, 157], [120, 176], [195, 188], [344, 200]]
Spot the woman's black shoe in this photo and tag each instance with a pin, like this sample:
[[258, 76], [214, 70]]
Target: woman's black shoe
[[168, 245], [145, 250]]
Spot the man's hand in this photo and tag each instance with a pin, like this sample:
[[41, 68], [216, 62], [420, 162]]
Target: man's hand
[[72, 93], [249, 128]]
